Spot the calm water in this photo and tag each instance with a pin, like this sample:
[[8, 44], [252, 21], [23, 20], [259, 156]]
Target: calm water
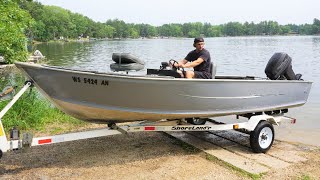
[[233, 55]]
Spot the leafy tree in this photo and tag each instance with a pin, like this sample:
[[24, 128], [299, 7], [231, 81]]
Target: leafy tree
[[164, 30], [120, 27], [294, 28], [249, 29], [14, 22], [79, 25], [316, 26], [233, 29], [214, 31], [306, 29], [272, 28], [285, 29], [146, 30], [104, 31], [57, 21]]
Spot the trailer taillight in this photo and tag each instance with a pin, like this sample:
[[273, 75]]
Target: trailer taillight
[[44, 141], [149, 128]]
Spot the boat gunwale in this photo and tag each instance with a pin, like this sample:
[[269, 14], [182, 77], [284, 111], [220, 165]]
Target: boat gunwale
[[158, 78]]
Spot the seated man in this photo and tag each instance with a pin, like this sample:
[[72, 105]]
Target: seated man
[[199, 59]]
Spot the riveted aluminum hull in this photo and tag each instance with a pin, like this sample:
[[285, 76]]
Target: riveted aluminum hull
[[102, 97]]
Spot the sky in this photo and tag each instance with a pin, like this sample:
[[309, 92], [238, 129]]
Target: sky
[[161, 12]]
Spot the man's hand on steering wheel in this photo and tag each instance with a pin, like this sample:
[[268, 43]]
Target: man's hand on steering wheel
[[177, 67], [174, 64]]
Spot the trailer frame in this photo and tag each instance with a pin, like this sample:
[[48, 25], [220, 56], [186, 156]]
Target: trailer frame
[[260, 128]]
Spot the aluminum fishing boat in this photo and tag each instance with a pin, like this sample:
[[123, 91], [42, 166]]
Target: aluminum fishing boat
[[110, 97]]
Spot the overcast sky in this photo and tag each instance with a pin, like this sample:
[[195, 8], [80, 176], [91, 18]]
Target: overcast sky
[[181, 11]]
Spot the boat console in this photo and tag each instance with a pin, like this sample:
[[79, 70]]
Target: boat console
[[167, 69]]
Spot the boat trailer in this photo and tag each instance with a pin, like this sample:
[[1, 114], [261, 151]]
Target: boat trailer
[[259, 126]]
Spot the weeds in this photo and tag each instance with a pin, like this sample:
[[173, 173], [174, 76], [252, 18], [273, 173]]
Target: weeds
[[32, 111]]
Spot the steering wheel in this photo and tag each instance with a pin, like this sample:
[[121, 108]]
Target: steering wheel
[[172, 62]]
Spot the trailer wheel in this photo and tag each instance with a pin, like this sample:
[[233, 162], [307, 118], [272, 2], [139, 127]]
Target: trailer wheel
[[1, 153], [196, 121], [261, 139]]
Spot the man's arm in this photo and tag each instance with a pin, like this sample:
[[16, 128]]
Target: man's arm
[[181, 63], [192, 64]]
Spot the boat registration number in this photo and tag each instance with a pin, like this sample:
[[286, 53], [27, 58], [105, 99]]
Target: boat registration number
[[90, 81]]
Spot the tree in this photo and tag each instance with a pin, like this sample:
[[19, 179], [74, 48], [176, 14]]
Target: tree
[[146, 30], [53, 22], [233, 29], [79, 24], [14, 22], [57, 21], [316, 26], [193, 29], [272, 28], [306, 29], [285, 29], [104, 31], [214, 31], [120, 28]]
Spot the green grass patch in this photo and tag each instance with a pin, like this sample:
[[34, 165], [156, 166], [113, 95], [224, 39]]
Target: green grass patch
[[33, 112], [304, 177]]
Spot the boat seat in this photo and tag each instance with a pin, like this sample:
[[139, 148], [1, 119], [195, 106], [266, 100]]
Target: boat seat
[[213, 69]]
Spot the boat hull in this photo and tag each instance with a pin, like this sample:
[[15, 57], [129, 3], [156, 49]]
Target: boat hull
[[107, 98]]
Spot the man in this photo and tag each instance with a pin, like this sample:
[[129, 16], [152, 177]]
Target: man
[[198, 59]]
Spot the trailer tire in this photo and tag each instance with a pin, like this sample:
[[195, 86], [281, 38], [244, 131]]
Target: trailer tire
[[1, 153], [196, 121], [261, 139]]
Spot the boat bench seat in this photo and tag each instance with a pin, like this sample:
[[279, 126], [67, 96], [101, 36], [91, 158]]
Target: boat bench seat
[[213, 69]]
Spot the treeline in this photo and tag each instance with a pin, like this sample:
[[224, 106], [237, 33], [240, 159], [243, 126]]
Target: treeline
[[53, 22], [22, 19]]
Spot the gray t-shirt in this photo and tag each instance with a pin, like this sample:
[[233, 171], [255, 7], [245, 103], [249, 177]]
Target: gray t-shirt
[[205, 55]]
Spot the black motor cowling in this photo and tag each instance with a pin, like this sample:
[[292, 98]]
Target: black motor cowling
[[280, 67]]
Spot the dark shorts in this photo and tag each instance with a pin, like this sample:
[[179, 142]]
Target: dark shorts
[[202, 75]]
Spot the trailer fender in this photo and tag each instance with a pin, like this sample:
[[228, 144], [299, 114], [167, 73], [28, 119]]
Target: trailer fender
[[254, 121]]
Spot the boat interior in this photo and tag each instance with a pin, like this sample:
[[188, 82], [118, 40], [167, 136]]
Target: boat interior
[[279, 67]]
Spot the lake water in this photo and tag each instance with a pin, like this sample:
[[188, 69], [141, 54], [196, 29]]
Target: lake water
[[233, 55]]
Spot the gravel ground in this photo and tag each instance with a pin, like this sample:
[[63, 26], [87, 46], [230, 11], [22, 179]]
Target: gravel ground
[[144, 155]]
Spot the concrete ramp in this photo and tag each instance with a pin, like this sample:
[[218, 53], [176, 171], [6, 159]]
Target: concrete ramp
[[234, 148]]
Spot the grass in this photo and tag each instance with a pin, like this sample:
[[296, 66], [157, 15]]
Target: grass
[[33, 112], [304, 177]]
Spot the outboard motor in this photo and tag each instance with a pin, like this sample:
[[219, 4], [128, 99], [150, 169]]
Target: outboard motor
[[280, 67]]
